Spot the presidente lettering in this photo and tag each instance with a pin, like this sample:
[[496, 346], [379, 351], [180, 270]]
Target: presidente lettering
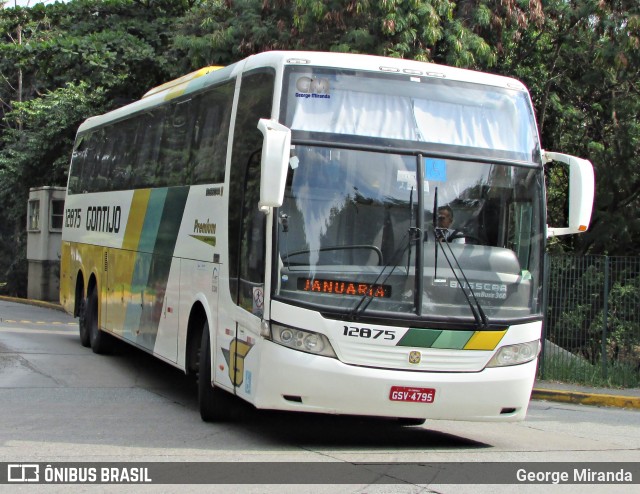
[[103, 219], [206, 227]]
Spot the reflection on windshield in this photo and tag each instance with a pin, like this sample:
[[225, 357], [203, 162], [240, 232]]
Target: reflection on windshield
[[483, 119], [348, 231]]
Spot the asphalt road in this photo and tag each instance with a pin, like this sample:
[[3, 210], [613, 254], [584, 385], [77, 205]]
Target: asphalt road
[[59, 402]]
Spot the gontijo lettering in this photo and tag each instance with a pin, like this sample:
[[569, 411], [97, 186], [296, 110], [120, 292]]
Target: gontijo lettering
[[103, 218]]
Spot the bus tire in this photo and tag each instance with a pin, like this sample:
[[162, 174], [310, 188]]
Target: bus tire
[[100, 341], [85, 338], [215, 403]]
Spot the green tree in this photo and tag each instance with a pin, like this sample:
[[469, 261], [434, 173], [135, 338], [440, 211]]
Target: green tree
[[38, 148], [217, 31], [582, 66], [74, 60]]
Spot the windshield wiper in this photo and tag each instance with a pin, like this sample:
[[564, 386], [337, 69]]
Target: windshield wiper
[[413, 234], [440, 238]]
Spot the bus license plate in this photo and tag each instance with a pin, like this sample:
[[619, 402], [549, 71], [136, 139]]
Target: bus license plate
[[412, 395]]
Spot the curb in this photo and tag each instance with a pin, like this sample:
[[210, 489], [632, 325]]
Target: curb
[[37, 303], [586, 398]]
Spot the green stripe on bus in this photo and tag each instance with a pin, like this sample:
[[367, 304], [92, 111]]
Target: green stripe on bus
[[435, 338], [160, 228], [421, 338], [175, 199], [170, 221], [152, 219], [455, 340]]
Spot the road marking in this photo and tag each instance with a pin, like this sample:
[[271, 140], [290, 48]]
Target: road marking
[[41, 323]]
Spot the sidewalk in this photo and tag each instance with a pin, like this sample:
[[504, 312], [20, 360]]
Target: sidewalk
[[542, 390], [584, 395]]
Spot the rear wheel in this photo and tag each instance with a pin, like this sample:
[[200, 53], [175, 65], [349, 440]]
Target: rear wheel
[[100, 341], [215, 403], [83, 324]]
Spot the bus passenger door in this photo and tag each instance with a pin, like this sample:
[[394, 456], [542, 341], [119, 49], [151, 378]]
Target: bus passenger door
[[247, 230], [247, 289]]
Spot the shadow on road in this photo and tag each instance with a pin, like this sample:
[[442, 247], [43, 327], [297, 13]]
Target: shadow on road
[[302, 430]]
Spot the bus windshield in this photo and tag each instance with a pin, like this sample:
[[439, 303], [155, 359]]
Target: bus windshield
[[421, 230], [350, 228]]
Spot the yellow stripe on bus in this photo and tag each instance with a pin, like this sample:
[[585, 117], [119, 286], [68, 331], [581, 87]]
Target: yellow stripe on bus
[[123, 263], [136, 219], [485, 340]]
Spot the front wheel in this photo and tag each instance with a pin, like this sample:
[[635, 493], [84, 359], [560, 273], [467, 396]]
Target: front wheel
[[215, 403]]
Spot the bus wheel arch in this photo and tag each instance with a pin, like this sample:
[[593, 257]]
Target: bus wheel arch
[[215, 404], [197, 318]]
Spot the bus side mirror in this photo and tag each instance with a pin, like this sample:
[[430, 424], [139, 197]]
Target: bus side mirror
[[276, 148], [581, 193]]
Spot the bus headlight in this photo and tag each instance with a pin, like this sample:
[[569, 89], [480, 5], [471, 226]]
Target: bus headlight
[[515, 354], [304, 341]]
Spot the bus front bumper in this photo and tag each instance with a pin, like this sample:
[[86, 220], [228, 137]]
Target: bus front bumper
[[297, 381]]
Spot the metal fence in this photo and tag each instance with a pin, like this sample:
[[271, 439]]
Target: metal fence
[[592, 323]]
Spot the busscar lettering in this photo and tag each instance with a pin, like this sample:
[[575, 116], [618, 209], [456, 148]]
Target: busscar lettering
[[482, 290], [103, 219]]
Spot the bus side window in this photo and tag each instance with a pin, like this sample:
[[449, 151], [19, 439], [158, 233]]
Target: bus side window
[[78, 159], [92, 163], [125, 154], [211, 133], [150, 130], [175, 145]]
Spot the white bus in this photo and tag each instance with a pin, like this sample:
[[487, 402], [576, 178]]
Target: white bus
[[281, 228]]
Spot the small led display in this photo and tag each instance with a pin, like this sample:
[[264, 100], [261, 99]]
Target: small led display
[[341, 287]]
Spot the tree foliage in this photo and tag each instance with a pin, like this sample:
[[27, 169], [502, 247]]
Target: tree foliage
[[580, 59], [583, 68], [60, 64]]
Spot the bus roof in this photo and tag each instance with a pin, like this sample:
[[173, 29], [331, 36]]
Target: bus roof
[[211, 75]]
